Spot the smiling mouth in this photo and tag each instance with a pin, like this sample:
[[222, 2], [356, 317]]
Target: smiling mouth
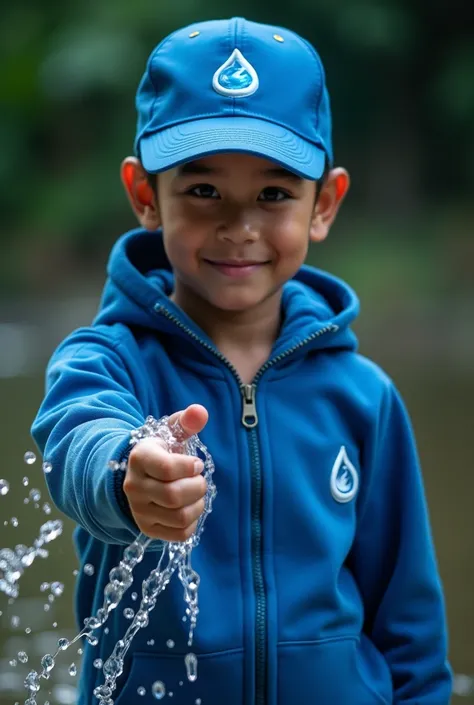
[[236, 268], [236, 263]]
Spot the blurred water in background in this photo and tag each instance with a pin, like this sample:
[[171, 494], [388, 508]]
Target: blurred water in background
[[438, 390]]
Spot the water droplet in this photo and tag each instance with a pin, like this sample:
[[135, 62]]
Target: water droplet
[[46, 508], [89, 569], [44, 587], [75, 572], [47, 663], [180, 682], [55, 624], [12, 662], [15, 621], [32, 682], [92, 640], [80, 651], [29, 457], [46, 607], [47, 467], [141, 619], [28, 630], [57, 589], [170, 644], [128, 613], [134, 596], [141, 690], [198, 701], [35, 495], [72, 670], [23, 657], [14, 522], [191, 663], [63, 644], [158, 690], [98, 663], [4, 487], [103, 692], [170, 694], [106, 630], [25, 482], [151, 642]]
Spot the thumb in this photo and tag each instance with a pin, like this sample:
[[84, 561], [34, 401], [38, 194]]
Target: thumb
[[185, 424]]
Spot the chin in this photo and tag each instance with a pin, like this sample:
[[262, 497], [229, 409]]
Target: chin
[[235, 304]]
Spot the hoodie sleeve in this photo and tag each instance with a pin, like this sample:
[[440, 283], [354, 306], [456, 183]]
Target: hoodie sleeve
[[394, 563], [84, 422]]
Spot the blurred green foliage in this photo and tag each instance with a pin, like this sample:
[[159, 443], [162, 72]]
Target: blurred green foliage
[[401, 77]]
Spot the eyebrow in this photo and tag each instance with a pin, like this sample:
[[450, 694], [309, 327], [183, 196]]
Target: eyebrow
[[196, 169]]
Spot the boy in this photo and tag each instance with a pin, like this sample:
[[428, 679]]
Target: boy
[[318, 576]]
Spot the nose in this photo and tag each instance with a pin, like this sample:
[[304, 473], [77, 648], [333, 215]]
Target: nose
[[238, 227]]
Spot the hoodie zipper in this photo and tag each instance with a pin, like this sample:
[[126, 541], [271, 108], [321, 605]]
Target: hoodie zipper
[[250, 422]]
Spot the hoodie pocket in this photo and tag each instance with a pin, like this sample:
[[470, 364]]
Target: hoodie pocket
[[220, 679], [344, 671]]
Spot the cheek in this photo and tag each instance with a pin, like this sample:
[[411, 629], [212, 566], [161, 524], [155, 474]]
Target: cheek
[[291, 235]]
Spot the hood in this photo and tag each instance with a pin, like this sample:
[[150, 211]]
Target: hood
[[140, 280]]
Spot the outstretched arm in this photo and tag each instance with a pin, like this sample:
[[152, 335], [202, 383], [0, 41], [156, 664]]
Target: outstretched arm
[[84, 422]]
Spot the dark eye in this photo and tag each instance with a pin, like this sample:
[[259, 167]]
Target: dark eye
[[204, 191], [273, 194]]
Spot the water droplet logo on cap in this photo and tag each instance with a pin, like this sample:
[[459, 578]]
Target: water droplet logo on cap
[[344, 478], [236, 77]]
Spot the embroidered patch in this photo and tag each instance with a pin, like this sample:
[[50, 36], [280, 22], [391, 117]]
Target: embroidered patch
[[344, 478], [236, 77]]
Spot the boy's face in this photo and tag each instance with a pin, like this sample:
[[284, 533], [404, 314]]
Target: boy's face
[[236, 228]]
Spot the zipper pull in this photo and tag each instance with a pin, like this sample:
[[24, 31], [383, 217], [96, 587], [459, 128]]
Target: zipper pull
[[249, 408]]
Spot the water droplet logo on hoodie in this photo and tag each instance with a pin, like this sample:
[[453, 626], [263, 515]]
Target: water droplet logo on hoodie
[[344, 478]]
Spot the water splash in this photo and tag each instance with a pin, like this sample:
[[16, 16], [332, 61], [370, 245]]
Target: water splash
[[120, 577], [120, 580], [175, 556], [13, 563]]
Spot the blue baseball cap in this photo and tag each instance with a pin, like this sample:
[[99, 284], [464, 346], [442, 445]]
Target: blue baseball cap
[[234, 86]]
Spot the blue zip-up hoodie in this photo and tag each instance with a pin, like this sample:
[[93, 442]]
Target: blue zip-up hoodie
[[319, 581]]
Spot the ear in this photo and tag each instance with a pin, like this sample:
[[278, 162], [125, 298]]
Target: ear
[[326, 207], [142, 197]]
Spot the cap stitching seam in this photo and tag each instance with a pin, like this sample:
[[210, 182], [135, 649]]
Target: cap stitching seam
[[235, 40], [318, 62], [255, 115], [161, 45]]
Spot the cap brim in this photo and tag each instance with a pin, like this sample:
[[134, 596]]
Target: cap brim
[[200, 138]]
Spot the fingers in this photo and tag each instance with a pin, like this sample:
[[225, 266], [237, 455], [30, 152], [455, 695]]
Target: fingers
[[149, 458], [181, 518], [170, 495], [165, 533], [165, 490], [190, 421], [166, 523]]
